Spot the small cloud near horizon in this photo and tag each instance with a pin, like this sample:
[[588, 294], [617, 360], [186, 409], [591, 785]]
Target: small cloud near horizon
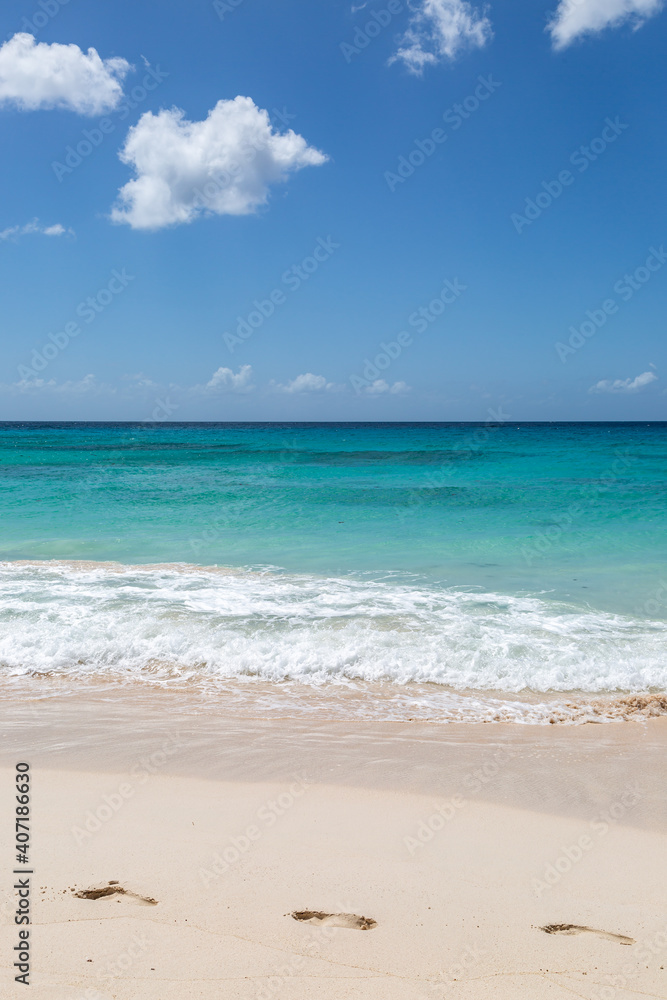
[[13, 232], [307, 383], [379, 387], [225, 380], [628, 385]]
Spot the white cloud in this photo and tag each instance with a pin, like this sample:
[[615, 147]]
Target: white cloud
[[88, 384], [308, 383], [439, 30], [379, 387], [223, 165], [139, 381], [36, 76], [13, 232], [224, 380], [574, 18], [624, 385]]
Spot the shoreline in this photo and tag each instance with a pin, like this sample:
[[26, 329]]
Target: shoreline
[[111, 729], [354, 702], [285, 645]]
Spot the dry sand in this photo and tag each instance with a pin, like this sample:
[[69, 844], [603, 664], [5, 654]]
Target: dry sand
[[427, 858]]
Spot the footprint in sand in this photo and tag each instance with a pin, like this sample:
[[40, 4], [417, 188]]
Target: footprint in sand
[[113, 889], [348, 920], [578, 929]]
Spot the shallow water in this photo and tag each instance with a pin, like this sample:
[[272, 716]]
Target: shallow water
[[434, 568]]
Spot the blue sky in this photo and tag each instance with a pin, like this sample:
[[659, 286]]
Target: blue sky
[[238, 270]]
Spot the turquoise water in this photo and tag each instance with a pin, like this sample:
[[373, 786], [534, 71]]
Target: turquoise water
[[563, 508], [498, 557]]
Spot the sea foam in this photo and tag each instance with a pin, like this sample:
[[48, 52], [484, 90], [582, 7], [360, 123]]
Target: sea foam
[[172, 623]]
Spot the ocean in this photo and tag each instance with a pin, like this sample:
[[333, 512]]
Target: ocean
[[451, 572]]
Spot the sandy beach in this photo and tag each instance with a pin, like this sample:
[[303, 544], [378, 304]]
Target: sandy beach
[[459, 841]]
